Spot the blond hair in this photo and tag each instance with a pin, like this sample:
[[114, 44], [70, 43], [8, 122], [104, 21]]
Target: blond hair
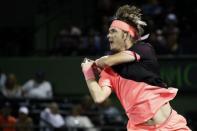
[[132, 16]]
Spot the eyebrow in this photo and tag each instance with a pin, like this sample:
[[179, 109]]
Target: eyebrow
[[112, 30]]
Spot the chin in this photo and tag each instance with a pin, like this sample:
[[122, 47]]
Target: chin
[[114, 51]]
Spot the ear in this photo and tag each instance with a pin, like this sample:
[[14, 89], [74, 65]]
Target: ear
[[125, 35]]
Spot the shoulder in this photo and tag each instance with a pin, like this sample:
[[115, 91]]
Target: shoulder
[[142, 46], [47, 84], [144, 49], [30, 82]]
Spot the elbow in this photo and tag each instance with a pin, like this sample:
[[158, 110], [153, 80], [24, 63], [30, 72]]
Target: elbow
[[99, 100], [108, 64]]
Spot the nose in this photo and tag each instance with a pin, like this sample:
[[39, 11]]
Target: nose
[[108, 35]]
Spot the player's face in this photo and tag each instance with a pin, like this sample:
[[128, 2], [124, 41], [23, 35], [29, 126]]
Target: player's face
[[116, 39]]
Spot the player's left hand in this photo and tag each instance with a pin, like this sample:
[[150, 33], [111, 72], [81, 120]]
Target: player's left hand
[[101, 62]]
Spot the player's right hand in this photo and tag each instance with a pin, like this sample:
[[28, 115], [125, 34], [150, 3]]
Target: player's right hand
[[87, 69]]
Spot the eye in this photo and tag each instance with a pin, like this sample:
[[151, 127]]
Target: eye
[[112, 30]]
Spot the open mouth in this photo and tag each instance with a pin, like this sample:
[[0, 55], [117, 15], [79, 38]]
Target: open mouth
[[110, 41]]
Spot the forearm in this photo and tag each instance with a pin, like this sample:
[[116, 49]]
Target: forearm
[[115, 59], [99, 94], [95, 91]]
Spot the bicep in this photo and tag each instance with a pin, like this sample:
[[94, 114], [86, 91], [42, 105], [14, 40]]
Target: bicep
[[106, 91]]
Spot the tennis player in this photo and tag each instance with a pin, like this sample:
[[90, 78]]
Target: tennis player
[[132, 72]]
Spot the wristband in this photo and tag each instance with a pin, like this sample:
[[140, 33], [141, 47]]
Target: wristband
[[88, 73]]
